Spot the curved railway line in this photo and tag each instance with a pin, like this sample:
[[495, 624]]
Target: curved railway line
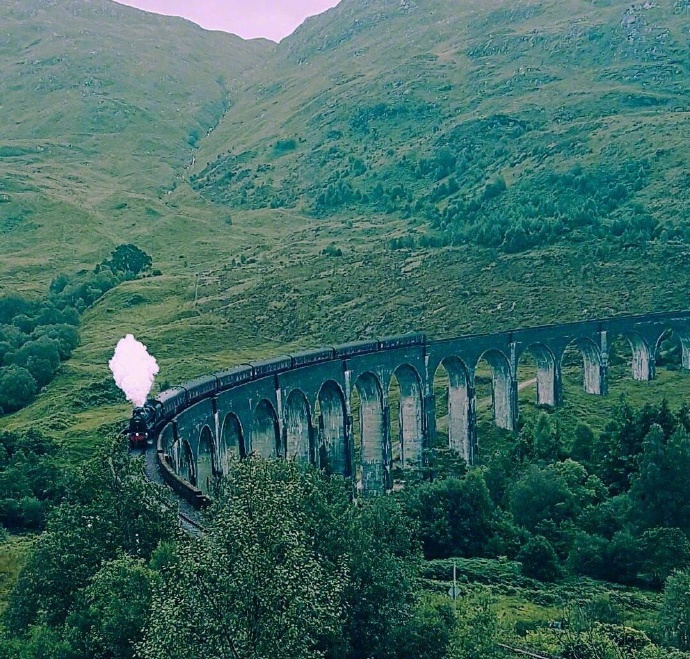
[[187, 515]]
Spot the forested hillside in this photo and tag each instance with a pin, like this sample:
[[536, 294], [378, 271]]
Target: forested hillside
[[448, 166], [509, 125]]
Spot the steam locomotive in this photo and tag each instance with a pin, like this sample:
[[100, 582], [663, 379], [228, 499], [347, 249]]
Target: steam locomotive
[[147, 421]]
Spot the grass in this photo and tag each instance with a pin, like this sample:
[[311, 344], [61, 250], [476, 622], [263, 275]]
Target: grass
[[103, 157], [13, 552], [522, 603]]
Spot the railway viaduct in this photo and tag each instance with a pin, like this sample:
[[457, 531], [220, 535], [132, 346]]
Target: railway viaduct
[[306, 412]]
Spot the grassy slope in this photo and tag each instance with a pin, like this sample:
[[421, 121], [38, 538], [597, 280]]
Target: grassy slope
[[389, 83], [264, 282], [96, 124], [94, 129]]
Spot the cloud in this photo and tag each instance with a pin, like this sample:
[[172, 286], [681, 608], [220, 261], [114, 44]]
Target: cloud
[[272, 19]]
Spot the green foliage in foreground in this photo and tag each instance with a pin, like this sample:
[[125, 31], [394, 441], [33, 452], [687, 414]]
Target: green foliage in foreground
[[31, 479], [288, 567]]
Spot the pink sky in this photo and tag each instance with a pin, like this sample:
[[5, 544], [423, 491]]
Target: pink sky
[[273, 19]]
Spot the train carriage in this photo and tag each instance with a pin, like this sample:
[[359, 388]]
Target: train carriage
[[172, 401], [234, 376], [356, 348], [269, 367], [307, 357], [403, 341], [201, 388]]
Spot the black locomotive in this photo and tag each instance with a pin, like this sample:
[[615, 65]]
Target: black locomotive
[[147, 421], [139, 426]]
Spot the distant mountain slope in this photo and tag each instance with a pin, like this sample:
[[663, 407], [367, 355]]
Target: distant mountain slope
[[344, 160], [101, 107], [509, 124]]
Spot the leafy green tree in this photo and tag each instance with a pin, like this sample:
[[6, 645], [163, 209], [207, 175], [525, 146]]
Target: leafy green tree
[[11, 306], [454, 516], [129, 259], [429, 631], [661, 491], [541, 494], [109, 509], [583, 443], [623, 557], [674, 617], [252, 586], [110, 613], [289, 567], [539, 559], [545, 440], [664, 551], [17, 388], [380, 595], [64, 335], [618, 448], [617, 559]]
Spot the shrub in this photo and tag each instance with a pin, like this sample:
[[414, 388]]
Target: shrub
[[539, 559], [17, 388]]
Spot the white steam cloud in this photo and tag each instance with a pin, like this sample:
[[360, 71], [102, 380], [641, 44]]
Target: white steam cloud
[[134, 369]]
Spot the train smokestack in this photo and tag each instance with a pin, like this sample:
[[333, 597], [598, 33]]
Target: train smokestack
[[134, 369]]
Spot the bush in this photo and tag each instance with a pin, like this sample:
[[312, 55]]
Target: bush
[[539, 559], [286, 145], [17, 388]]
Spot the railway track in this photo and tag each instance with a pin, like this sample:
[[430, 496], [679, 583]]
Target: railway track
[[187, 516]]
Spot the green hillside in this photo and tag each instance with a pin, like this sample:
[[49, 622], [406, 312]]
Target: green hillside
[[99, 121], [388, 167], [508, 125]]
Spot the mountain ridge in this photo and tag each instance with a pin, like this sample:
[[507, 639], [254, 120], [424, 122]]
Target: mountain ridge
[[373, 189]]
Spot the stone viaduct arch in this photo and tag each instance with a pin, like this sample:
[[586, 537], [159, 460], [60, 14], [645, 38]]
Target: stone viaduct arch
[[333, 450], [374, 466], [410, 439], [459, 394], [302, 409], [266, 439], [232, 440], [298, 441], [205, 461]]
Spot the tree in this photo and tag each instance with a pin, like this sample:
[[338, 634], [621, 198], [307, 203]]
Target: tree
[[109, 509], [252, 585], [540, 495], [41, 358], [129, 259], [545, 440], [111, 612], [661, 491], [583, 443], [65, 336], [539, 559], [433, 618], [664, 551], [674, 617], [454, 516], [11, 306], [288, 567], [17, 388]]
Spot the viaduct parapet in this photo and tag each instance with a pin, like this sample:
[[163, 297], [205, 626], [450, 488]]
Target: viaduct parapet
[[302, 406]]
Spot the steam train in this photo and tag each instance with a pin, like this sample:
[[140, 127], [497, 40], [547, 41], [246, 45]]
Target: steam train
[[147, 421]]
